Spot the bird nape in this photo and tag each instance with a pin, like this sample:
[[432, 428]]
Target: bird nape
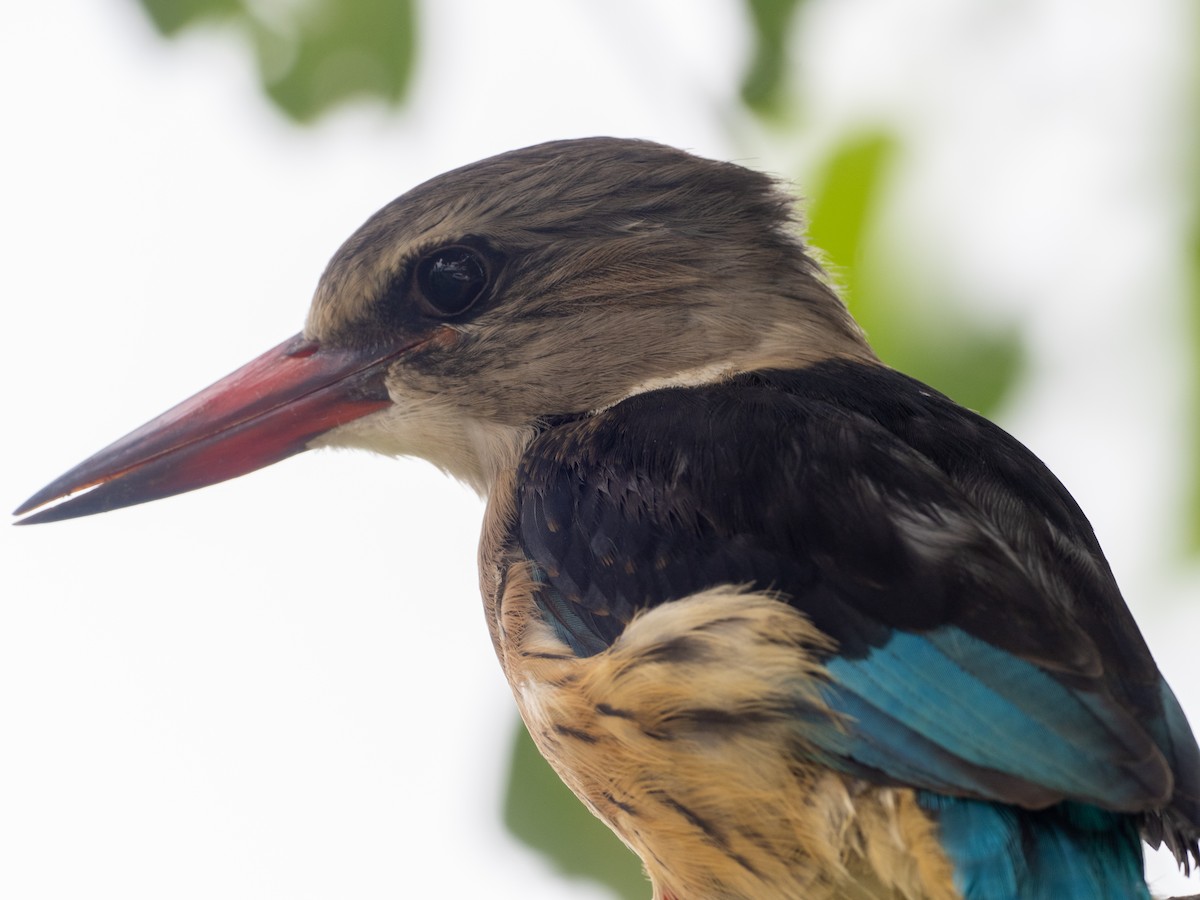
[[791, 623]]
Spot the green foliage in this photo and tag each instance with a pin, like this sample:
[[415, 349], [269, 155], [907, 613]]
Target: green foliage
[[1193, 412], [764, 84], [1193, 395], [172, 16], [923, 335], [541, 811], [844, 201], [316, 54]]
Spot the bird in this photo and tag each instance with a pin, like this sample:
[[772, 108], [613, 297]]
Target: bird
[[790, 622]]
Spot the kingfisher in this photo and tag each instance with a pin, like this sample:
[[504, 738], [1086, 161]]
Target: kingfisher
[[791, 623]]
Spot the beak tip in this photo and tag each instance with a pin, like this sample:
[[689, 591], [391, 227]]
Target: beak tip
[[55, 489], [46, 515], [31, 503], [28, 506]]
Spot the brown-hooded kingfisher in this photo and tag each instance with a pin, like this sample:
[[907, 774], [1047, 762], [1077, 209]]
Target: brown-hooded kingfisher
[[793, 624]]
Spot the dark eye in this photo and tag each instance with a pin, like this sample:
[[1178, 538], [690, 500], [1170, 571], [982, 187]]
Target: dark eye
[[451, 279]]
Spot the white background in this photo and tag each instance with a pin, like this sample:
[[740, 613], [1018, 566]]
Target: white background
[[282, 686]]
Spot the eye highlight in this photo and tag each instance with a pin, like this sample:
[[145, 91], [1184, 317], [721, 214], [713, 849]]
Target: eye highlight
[[450, 279]]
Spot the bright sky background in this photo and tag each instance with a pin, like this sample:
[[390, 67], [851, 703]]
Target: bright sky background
[[283, 686]]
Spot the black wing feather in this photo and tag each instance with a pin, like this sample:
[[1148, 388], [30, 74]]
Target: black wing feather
[[870, 502]]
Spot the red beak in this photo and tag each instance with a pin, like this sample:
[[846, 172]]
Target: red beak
[[268, 410]]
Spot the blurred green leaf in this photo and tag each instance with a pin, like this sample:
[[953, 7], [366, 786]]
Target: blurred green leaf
[[347, 48], [976, 366], [1192, 531], [844, 205], [316, 54], [764, 86], [931, 339], [1193, 524], [171, 16], [541, 811]]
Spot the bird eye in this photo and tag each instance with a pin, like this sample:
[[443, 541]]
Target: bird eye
[[451, 279]]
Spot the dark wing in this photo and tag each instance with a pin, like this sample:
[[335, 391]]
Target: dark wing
[[983, 648]]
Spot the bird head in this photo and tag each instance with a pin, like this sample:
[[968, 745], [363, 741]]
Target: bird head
[[462, 317]]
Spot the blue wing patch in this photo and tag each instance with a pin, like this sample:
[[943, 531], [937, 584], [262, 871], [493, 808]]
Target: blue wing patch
[[923, 698], [949, 713], [1070, 852]]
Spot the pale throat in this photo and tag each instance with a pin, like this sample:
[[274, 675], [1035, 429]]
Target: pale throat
[[474, 451]]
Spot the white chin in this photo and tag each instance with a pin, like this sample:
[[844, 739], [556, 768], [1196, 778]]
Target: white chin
[[473, 451]]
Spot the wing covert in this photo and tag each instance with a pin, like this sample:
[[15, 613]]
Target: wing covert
[[974, 614]]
